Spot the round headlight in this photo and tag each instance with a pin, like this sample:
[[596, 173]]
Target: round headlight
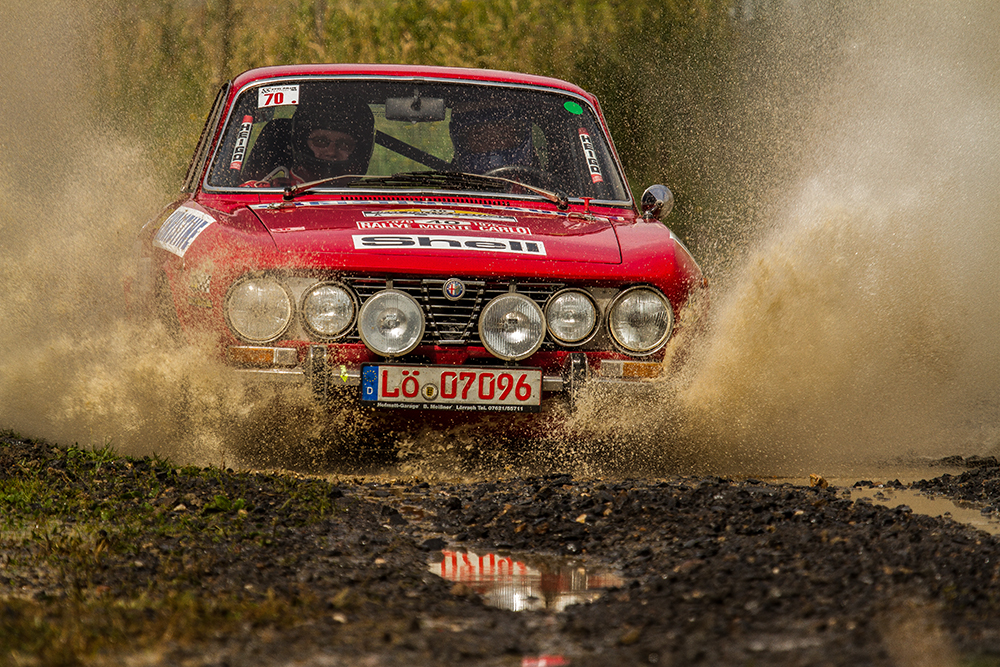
[[512, 326], [391, 323], [640, 320], [571, 316], [259, 310], [328, 310]]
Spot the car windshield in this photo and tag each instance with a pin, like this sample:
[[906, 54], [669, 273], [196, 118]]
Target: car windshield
[[384, 133]]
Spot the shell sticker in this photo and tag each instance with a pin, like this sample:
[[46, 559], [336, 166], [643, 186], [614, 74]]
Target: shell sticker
[[448, 243]]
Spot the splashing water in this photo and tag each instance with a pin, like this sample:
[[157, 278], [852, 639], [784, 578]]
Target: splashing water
[[863, 321], [73, 368], [864, 325]]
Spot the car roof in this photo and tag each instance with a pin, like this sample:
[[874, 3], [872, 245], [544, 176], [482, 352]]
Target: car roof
[[405, 71]]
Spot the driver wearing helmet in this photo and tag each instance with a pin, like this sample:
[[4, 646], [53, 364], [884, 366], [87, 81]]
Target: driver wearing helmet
[[485, 139], [331, 138]]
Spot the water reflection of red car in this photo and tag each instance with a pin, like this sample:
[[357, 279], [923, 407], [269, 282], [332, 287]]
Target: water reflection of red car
[[512, 584], [417, 238]]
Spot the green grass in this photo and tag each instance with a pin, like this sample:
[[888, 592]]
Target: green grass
[[80, 528]]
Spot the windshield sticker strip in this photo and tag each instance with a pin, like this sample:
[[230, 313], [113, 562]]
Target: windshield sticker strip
[[437, 213], [448, 242], [390, 202], [454, 225], [240, 150], [179, 231], [276, 96], [281, 205], [588, 152]]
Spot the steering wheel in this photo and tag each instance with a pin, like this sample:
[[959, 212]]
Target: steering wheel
[[531, 175]]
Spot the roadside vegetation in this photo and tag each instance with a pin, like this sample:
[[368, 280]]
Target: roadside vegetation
[[101, 553]]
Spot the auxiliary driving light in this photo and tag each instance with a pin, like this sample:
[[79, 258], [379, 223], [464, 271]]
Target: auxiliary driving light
[[512, 326], [391, 323], [328, 310], [571, 317]]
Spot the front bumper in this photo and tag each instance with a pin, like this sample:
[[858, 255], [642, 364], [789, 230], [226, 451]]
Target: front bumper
[[328, 377]]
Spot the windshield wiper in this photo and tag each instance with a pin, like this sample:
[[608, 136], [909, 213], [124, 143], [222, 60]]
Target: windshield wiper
[[442, 179], [291, 192], [459, 179]]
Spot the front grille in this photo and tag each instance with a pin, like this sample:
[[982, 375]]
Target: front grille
[[451, 322]]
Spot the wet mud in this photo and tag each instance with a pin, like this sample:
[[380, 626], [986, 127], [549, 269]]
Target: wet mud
[[136, 561]]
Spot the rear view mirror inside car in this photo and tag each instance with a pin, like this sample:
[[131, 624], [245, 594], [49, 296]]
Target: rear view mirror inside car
[[414, 109]]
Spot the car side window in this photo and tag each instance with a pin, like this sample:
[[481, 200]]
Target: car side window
[[197, 165]]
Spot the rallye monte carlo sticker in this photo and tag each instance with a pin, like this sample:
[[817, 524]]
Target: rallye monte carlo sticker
[[240, 150], [276, 96], [588, 152], [180, 229], [434, 223], [448, 242]]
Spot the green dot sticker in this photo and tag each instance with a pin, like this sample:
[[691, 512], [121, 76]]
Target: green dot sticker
[[573, 108]]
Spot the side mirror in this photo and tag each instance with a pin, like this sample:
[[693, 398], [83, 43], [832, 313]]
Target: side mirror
[[657, 202]]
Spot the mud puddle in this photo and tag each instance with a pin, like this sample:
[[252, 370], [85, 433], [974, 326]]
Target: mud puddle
[[511, 580], [892, 485], [524, 582], [968, 513]]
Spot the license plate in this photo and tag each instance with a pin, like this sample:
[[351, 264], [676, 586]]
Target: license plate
[[452, 388]]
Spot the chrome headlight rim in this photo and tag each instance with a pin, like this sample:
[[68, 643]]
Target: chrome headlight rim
[[371, 303], [532, 306], [240, 331], [312, 330], [664, 337], [594, 327]]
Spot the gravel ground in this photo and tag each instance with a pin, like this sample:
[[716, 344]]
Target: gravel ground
[[110, 560]]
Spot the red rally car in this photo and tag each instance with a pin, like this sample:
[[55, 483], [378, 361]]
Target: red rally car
[[418, 238]]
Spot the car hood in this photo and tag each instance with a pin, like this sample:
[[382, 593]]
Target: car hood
[[439, 231]]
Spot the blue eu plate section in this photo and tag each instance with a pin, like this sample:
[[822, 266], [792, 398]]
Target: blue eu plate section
[[369, 383]]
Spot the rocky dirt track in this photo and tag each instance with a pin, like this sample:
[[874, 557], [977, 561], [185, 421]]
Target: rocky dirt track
[[105, 560]]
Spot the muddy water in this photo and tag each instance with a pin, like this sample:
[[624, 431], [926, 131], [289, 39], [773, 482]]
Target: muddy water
[[889, 485], [862, 322], [73, 369], [856, 324], [524, 582], [967, 513]]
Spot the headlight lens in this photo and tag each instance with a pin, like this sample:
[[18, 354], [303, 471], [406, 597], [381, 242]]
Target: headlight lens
[[512, 326], [571, 316], [259, 310], [391, 323], [640, 320], [328, 310]]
